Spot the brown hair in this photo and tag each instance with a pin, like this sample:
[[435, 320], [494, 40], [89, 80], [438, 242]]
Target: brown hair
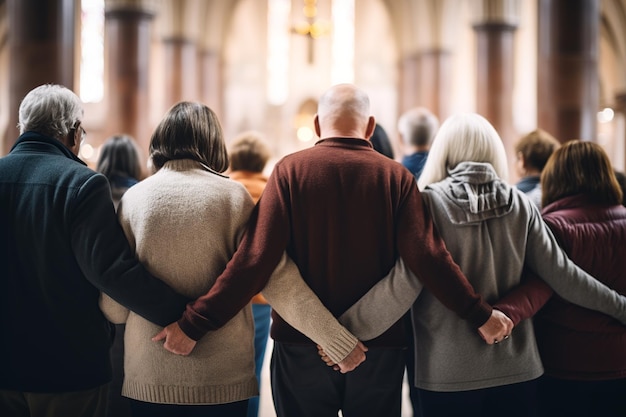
[[119, 156], [580, 167], [189, 131], [249, 152], [536, 147]]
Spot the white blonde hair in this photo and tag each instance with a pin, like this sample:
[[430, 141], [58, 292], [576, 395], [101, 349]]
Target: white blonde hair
[[464, 137]]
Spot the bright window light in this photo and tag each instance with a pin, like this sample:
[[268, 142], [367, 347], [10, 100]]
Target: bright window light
[[92, 51], [343, 42], [278, 12]]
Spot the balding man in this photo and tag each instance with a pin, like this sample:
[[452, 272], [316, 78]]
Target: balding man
[[344, 213]]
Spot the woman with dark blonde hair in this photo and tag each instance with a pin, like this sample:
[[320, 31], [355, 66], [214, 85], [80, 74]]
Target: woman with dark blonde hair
[[185, 222]]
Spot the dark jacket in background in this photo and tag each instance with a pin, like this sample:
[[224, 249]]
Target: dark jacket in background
[[61, 245]]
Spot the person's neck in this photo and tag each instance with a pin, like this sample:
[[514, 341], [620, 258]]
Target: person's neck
[[416, 149], [345, 132]]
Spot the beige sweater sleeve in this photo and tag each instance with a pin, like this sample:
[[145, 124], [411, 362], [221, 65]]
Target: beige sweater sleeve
[[292, 298]]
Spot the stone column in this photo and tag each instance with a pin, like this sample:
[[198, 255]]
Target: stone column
[[181, 70], [211, 81], [567, 68], [620, 106], [128, 25], [408, 95], [495, 29], [434, 81], [42, 39]]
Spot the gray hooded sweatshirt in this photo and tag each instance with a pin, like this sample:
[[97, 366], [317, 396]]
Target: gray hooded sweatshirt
[[492, 231]]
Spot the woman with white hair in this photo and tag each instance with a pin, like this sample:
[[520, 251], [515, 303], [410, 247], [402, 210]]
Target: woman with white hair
[[493, 232]]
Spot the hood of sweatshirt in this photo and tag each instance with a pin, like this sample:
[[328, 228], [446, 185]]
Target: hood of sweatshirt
[[472, 193]]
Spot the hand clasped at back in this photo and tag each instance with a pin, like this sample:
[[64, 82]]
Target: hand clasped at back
[[176, 341], [350, 362]]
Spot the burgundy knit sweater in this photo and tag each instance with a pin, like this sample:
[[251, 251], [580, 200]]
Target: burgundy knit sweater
[[344, 213]]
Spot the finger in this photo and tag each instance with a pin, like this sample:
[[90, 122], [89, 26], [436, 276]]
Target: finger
[[362, 346], [162, 335]]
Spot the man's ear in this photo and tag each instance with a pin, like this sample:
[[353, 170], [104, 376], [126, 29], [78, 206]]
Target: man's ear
[[70, 139], [371, 126], [316, 124]]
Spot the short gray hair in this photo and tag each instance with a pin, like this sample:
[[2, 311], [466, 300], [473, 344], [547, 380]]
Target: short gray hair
[[418, 126], [51, 110]]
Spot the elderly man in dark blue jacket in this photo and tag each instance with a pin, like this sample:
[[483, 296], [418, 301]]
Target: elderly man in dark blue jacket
[[61, 245]]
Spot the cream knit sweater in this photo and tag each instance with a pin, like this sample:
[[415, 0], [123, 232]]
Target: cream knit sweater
[[184, 223]]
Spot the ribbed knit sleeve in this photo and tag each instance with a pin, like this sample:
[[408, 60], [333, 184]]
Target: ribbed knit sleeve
[[292, 298], [526, 300]]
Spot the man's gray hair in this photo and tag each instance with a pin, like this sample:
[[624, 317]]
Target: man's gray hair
[[51, 110], [418, 126]]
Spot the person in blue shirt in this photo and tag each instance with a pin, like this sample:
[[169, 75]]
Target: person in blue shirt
[[417, 128]]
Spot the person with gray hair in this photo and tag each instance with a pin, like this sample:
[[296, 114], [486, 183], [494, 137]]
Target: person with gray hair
[[417, 128], [61, 245]]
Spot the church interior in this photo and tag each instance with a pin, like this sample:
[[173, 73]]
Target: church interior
[[261, 64]]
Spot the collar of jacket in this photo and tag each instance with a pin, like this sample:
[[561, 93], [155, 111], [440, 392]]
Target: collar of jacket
[[345, 142], [49, 143], [577, 201]]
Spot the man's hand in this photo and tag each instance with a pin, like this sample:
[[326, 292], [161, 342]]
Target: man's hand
[[350, 362], [176, 341], [497, 328]]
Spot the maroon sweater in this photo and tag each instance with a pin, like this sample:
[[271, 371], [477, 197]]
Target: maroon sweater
[[344, 213]]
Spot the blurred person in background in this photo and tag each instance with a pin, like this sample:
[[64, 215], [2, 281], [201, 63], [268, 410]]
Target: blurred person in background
[[417, 128], [532, 152], [119, 161], [249, 153]]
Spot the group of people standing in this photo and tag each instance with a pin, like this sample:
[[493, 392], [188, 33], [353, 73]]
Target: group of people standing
[[352, 250]]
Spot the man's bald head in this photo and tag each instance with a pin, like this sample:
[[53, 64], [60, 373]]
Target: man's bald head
[[344, 111]]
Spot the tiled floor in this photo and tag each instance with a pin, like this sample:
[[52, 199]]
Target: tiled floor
[[266, 408]]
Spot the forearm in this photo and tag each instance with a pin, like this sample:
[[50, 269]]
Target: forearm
[[425, 254], [570, 282], [247, 273], [107, 261], [292, 298], [384, 304], [525, 300]]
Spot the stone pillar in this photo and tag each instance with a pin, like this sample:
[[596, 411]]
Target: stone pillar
[[620, 107], [211, 81], [434, 81], [42, 39], [181, 70], [408, 96], [128, 26], [495, 29], [567, 68]]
